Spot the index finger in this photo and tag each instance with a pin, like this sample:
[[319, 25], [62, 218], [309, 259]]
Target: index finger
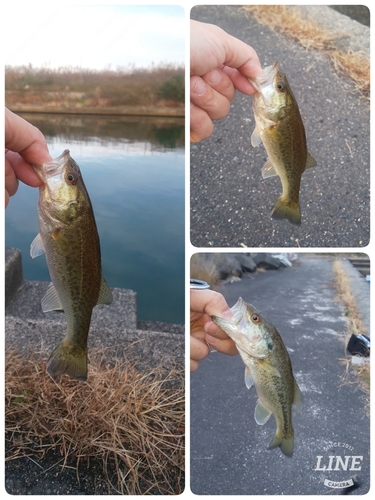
[[23, 138], [22, 169], [209, 302], [213, 47], [242, 57]]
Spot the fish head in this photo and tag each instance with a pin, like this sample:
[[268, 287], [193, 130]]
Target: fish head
[[248, 329], [63, 194], [273, 93]]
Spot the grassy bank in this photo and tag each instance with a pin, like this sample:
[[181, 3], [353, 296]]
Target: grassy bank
[[74, 90], [126, 423]]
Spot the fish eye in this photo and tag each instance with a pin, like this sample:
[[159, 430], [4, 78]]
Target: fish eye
[[255, 318], [281, 86], [71, 178]]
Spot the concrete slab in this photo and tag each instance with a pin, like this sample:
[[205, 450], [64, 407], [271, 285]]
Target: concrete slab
[[143, 349], [122, 313], [229, 454], [13, 273]]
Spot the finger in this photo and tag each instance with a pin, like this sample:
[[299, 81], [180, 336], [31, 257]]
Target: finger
[[213, 329], [205, 97], [211, 47], [25, 139], [239, 81], [198, 349], [22, 169], [224, 346], [241, 56], [7, 197], [221, 82], [197, 330], [193, 365], [11, 181], [201, 126], [210, 302]]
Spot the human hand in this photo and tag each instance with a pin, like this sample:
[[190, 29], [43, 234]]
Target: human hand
[[203, 331], [219, 64], [24, 145]]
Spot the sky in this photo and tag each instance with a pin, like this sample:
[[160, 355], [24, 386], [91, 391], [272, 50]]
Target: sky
[[94, 36]]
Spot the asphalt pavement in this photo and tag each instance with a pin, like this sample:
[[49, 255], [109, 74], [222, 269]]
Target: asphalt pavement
[[231, 203], [229, 454]]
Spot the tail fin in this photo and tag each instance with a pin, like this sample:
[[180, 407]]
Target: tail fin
[[287, 210], [66, 360], [286, 444]]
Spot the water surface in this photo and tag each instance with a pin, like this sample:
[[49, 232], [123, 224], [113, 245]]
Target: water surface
[[133, 169]]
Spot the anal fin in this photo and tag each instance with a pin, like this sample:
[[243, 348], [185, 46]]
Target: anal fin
[[51, 301]]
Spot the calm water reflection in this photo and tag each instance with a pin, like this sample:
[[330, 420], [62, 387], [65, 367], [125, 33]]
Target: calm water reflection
[[134, 171]]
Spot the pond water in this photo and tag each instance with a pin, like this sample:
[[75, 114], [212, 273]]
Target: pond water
[[133, 169]]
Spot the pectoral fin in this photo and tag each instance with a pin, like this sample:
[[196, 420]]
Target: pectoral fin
[[105, 294], [36, 247], [261, 414], [255, 138], [248, 378]]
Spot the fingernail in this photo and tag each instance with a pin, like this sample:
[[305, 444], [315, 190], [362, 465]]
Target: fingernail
[[214, 76], [199, 87], [227, 314]]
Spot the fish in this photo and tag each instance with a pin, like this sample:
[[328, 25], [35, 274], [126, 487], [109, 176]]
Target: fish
[[268, 368], [69, 239], [279, 126]]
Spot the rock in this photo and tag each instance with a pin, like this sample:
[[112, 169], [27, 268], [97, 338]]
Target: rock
[[228, 266], [247, 262], [266, 260]]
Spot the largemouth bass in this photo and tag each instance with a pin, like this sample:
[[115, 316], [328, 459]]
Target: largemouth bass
[[69, 238], [279, 126], [268, 367]]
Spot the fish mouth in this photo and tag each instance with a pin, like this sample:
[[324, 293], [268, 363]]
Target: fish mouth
[[239, 314], [266, 78], [237, 322], [52, 167], [237, 328]]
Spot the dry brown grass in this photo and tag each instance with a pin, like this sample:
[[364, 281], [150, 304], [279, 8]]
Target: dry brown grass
[[142, 87], [355, 325], [290, 21], [132, 422], [344, 291], [205, 269]]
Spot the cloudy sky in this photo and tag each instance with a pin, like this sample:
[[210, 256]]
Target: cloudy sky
[[94, 36]]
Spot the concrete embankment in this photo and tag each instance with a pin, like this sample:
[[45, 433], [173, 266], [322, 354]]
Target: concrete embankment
[[145, 344], [102, 110]]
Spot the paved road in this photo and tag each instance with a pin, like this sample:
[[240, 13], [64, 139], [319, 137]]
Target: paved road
[[231, 204], [229, 453]]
